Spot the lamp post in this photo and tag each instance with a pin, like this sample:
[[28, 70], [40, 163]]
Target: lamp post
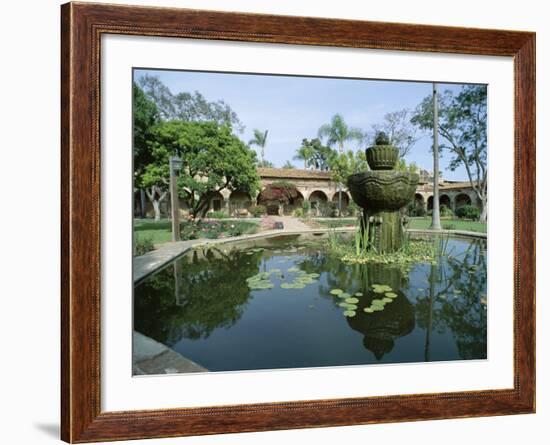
[[175, 167]]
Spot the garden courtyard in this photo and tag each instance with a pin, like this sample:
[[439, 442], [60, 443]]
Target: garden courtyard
[[358, 257]]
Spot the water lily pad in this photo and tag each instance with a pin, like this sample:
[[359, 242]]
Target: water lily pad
[[343, 304], [368, 310], [336, 291], [358, 294], [352, 300], [344, 295], [350, 313], [390, 295], [351, 307], [379, 290], [286, 286], [314, 275], [293, 269], [260, 285], [387, 300]]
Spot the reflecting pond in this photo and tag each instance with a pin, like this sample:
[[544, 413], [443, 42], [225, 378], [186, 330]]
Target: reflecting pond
[[286, 302]]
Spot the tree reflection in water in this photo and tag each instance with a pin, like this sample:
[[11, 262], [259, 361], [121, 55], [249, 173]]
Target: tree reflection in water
[[190, 299], [456, 301]]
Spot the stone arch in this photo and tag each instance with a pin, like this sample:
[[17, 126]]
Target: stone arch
[[430, 202], [294, 204], [345, 199], [239, 201], [462, 199], [318, 199], [418, 200], [217, 202], [445, 200]]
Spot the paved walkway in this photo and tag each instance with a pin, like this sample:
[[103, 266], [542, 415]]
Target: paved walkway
[[290, 223], [151, 357]]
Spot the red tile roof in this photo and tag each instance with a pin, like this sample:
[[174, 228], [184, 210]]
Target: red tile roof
[[293, 173]]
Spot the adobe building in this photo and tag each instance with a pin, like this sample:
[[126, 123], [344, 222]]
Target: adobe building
[[317, 187]]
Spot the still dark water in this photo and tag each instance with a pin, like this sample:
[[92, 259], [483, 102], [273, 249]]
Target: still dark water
[[203, 307]]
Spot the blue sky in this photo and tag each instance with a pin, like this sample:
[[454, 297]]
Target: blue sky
[[293, 108]]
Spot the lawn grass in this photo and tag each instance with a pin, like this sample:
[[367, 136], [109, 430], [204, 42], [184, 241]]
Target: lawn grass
[[157, 231], [449, 224]]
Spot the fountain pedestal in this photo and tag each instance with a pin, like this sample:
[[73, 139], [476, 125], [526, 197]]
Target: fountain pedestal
[[382, 193]]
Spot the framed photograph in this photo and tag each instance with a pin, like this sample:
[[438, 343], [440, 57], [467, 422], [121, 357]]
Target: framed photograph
[[275, 222]]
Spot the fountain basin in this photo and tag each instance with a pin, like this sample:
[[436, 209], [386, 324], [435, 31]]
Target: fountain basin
[[382, 190]]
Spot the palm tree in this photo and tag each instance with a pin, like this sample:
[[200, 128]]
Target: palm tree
[[305, 153], [260, 139], [337, 133]]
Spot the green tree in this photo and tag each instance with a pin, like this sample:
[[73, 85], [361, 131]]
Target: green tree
[[213, 160], [463, 128], [145, 117], [402, 166], [188, 106], [337, 133], [344, 164], [305, 153], [288, 165], [315, 154], [260, 140]]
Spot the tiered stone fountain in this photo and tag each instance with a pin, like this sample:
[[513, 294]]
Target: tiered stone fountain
[[382, 192]]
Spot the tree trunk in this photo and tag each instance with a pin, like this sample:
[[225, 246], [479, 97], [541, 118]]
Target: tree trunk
[[156, 197], [156, 208], [143, 203], [483, 213]]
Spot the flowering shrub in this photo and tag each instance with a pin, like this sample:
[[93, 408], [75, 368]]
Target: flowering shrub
[[214, 229], [279, 192]]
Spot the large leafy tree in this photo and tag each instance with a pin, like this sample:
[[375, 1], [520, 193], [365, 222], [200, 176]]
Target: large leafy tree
[[344, 164], [463, 129], [315, 154], [146, 116], [188, 106], [260, 140], [401, 132], [213, 158]]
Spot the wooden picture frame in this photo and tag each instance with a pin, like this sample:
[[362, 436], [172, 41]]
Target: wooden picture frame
[[82, 26]]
